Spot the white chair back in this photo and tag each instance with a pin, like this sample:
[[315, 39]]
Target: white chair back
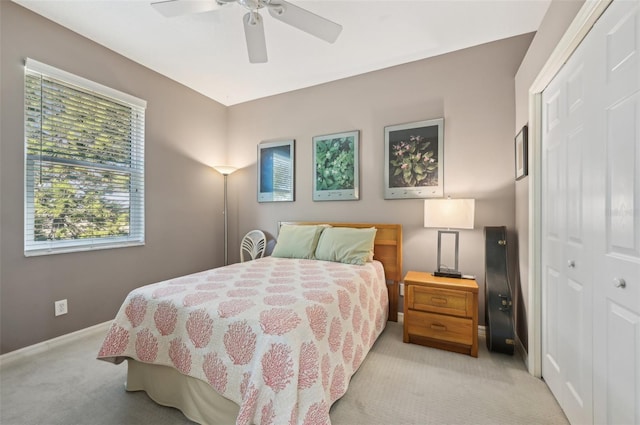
[[253, 245]]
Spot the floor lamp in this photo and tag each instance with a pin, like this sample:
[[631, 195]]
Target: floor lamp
[[448, 214], [225, 170]]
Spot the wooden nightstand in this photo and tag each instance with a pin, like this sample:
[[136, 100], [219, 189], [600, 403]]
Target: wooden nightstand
[[441, 312]]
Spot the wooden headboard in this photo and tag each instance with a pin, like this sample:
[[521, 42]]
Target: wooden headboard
[[387, 249]]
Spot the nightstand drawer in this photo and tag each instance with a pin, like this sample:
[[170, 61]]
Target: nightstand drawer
[[444, 328], [456, 303]]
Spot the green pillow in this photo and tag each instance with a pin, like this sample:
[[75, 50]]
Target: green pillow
[[346, 245], [297, 241]]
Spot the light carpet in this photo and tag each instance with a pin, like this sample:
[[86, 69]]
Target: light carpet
[[397, 384]]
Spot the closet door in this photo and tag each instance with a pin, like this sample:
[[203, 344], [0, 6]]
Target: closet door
[[617, 277], [567, 330]]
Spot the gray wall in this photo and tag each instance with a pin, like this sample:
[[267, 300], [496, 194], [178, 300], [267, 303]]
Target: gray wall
[[472, 89], [555, 23], [185, 134]]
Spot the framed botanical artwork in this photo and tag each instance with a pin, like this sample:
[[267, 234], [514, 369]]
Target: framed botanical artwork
[[521, 148], [413, 160], [335, 166], [276, 167]]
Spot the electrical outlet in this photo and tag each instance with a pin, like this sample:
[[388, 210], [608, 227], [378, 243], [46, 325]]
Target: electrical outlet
[[60, 307], [402, 289]]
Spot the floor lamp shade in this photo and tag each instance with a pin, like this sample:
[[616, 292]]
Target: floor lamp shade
[[225, 170], [449, 214]]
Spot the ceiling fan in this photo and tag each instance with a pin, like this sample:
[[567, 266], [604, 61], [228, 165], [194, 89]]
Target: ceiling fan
[[253, 26]]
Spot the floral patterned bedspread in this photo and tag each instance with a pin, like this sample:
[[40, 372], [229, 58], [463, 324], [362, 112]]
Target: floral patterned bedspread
[[280, 337]]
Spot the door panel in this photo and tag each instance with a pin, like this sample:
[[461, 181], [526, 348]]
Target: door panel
[[553, 235], [623, 374], [618, 288], [623, 236], [591, 224], [573, 343], [567, 282], [621, 30], [617, 250], [575, 187], [551, 362]]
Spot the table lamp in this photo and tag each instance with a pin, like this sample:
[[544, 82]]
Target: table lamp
[[448, 214]]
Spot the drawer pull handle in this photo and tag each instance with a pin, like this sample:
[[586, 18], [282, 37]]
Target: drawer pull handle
[[438, 300], [438, 327]]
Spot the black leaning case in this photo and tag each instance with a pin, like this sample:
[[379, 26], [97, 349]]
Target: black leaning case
[[497, 292]]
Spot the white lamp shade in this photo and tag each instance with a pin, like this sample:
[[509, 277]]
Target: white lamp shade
[[449, 213], [225, 170]]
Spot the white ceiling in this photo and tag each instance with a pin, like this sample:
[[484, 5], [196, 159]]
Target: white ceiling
[[207, 51]]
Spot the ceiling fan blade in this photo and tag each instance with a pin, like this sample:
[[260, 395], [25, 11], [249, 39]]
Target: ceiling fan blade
[[304, 20], [172, 8], [254, 33]]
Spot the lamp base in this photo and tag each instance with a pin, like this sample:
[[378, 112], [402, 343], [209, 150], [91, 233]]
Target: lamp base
[[449, 273]]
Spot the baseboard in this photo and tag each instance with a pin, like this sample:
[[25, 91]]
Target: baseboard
[[482, 331], [13, 356], [521, 351]]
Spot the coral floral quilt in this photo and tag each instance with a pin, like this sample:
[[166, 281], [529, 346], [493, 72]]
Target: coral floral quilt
[[280, 337]]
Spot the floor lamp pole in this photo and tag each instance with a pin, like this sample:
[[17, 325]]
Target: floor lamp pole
[[225, 170], [226, 246]]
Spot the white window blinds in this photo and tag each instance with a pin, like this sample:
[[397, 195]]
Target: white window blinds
[[84, 164]]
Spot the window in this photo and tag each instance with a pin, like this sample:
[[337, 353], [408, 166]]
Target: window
[[84, 164]]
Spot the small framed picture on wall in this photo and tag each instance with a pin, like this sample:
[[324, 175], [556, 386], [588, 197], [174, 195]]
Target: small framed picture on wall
[[276, 171], [413, 162], [521, 148], [335, 167]]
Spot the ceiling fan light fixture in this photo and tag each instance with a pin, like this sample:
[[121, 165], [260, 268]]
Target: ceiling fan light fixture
[[173, 8], [281, 10], [275, 8], [251, 5]]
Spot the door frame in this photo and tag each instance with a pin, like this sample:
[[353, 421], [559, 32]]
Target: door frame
[[582, 23]]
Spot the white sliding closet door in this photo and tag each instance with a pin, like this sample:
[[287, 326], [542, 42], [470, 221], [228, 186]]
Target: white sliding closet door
[[591, 224]]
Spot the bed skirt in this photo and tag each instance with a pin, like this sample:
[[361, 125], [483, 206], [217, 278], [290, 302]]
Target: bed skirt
[[193, 397]]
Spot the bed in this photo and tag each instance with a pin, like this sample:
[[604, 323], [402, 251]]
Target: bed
[[274, 340]]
